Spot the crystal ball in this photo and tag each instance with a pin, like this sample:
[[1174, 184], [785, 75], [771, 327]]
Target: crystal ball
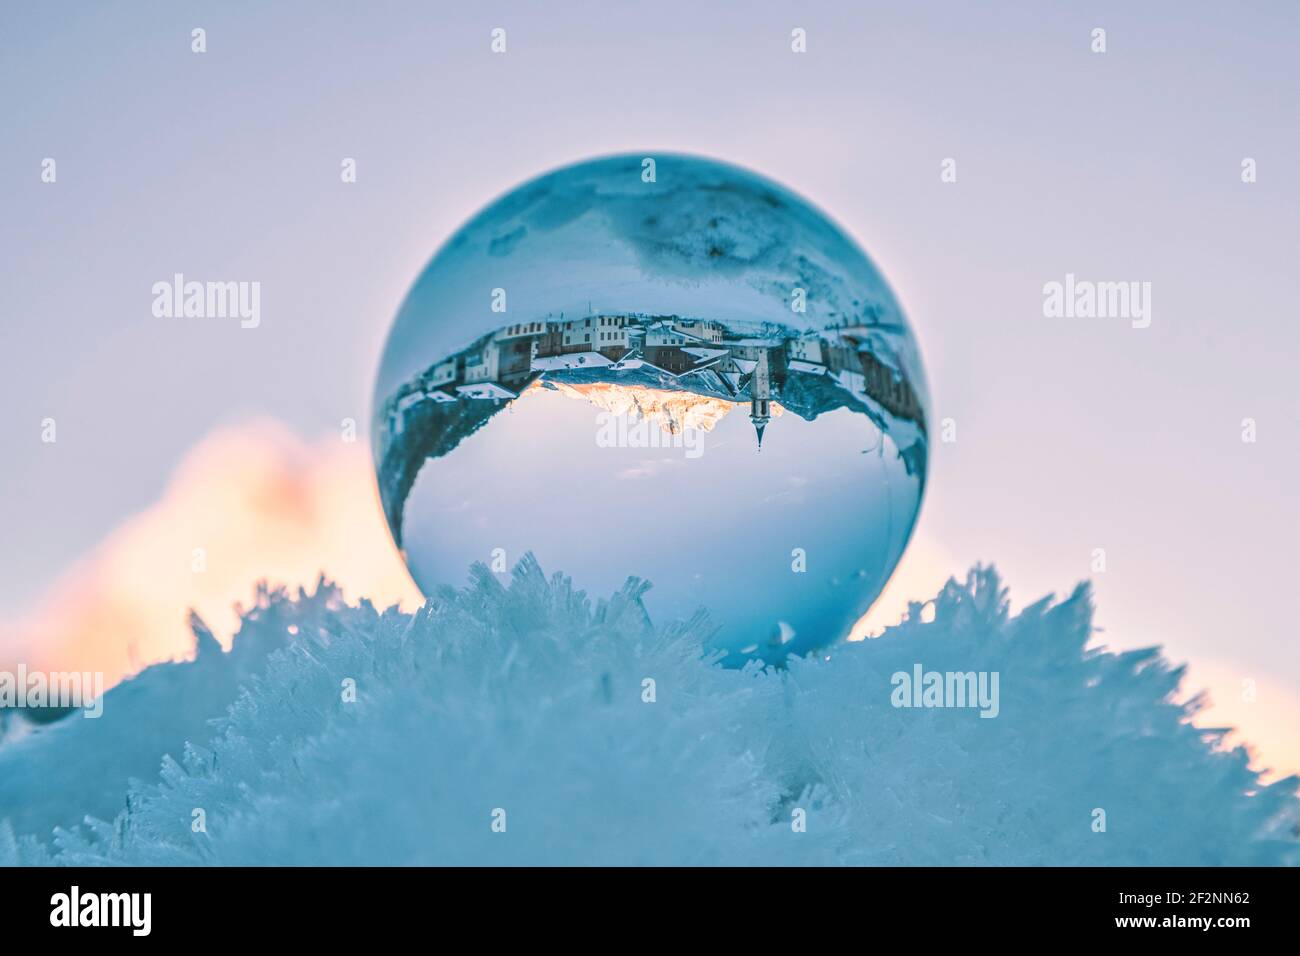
[[662, 367]]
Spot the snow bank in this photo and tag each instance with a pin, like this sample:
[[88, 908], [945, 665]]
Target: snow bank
[[525, 724]]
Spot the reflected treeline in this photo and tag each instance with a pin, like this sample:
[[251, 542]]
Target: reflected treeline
[[806, 373]]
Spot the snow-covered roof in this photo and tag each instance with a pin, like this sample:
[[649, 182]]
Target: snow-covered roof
[[555, 363], [704, 354], [415, 398], [485, 390]]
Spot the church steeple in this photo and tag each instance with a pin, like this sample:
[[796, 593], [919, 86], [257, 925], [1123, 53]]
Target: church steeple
[[760, 397]]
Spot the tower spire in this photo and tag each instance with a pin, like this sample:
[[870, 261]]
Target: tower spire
[[760, 397]]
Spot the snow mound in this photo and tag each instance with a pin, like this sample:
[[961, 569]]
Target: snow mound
[[526, 724]]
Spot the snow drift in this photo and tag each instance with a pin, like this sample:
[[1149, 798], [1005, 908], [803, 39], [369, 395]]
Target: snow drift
[[523, 723]]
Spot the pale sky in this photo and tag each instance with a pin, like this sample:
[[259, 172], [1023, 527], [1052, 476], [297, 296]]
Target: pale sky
[[1072, 434]]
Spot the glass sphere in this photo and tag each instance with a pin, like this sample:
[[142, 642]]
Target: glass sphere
[[664, 367]]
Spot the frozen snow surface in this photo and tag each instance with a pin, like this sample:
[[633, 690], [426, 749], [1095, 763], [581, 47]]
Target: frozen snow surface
[[513, 722]]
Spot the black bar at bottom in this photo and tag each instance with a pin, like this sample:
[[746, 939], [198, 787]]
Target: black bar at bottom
[[334, 905]]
